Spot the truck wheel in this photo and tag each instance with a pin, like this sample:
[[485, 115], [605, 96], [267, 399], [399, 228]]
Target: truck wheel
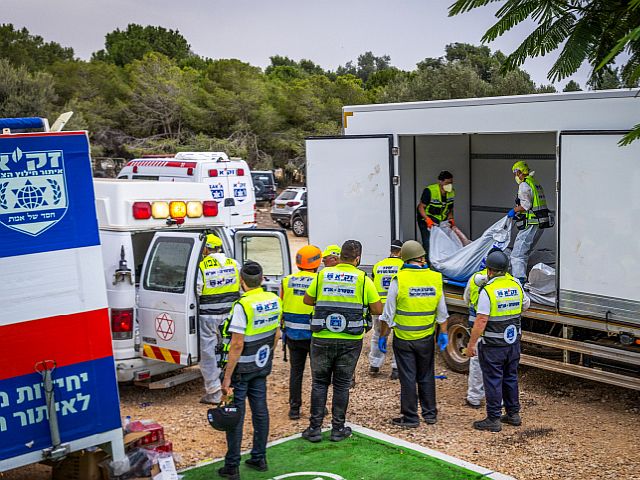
[[458, 339], [299, 228]]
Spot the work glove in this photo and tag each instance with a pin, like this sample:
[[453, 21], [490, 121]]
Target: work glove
[[452, 222], [382, 344], [443, 340], [430, 223], [512, 213]]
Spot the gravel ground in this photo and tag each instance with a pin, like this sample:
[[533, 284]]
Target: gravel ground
[[572, 428]]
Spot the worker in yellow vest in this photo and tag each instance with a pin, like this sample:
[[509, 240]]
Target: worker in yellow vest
[[331, 256], [495, 338], [249, 337], [382, 273], [415, 304], [340, 296], [219, 286], [296, 321], [436, 206]]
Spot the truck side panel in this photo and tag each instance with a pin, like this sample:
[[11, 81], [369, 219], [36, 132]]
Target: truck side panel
[[53, 297]]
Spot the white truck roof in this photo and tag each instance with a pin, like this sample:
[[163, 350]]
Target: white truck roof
[[115, 199]]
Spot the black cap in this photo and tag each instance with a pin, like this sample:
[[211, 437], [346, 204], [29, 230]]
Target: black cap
[[498, 261], [396, 245], [251, 268]]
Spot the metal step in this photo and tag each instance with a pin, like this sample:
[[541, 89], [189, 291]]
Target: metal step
[[582, 372], [168, 382]]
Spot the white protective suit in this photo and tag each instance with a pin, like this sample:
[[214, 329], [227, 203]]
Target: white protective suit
[[526, 239], [376, 357], [475, 387]]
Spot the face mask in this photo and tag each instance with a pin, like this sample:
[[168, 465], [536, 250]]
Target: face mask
[[518, 181], [448, 188]]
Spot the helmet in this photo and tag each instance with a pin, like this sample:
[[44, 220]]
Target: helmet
[[224, 418], [309, 257], [411, 249], [331, 250], [396, 245], [498, 261], [213, 241], [521, 166]]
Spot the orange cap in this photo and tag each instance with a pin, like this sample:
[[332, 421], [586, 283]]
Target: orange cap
[[309, 257]]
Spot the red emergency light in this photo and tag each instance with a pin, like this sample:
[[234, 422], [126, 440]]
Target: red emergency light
[[240, 172], [213, 172], [141, 210], [122, 323], [210, 208]]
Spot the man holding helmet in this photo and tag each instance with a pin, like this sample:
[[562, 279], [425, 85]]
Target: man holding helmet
[[497, 326]]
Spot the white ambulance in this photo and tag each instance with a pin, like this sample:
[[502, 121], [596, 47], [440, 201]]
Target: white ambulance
[[228, 180], [152, 241]]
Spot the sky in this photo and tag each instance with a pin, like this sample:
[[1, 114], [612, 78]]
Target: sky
[[329, 32]]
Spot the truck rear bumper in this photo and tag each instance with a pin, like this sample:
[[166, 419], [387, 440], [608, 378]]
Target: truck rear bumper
[[126, 369]]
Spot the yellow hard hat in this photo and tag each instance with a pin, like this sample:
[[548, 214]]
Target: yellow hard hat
[[331, 250], [520, 166], [213, 241]]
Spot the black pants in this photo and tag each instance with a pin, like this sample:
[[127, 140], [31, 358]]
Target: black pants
[[298, 352], [425, 234], [333, 361], [499, 367], [415, 359]]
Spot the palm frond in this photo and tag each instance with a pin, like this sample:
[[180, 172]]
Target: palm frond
[[509, 18], [632, 36], [462, 6], [630, 137], [576, 50]]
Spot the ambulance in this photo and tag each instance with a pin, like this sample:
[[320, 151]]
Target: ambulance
[[152, 240], [228, 180]]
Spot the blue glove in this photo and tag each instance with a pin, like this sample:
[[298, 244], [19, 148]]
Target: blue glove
[[382, 344], [512, 213], [443, 340], [284, 336]]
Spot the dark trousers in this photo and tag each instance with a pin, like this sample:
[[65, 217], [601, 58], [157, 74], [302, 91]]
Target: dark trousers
[[333, 361], [298, 352], [415, 359], [499, 367], [254, 387], [425, 234]]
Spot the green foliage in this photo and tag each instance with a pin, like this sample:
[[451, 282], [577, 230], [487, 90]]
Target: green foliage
[[24, 94], [124, 46], [572, 86], [31, 51]]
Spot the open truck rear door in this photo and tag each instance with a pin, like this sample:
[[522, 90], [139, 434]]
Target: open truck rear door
[[270, 248], [167, 306], [599, 228], [350, 192]]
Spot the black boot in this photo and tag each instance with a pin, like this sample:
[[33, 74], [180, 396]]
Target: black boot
[[294, 413], [312, 434], [229, 472], [488, 425], [394, 374], [259, 465], [339, 434], [513, 419]]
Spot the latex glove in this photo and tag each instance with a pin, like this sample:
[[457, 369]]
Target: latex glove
[[512, 213], [382, 344], [430, 223], [284, 337], [443, 340], [452, 222]]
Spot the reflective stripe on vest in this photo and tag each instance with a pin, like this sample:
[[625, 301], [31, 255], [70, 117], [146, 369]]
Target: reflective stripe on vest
[[383, 273], [506, 297], [263, 311], [439, 209], [297, 315], [419, 292], [539, 212], [221, 286], [339, 303]]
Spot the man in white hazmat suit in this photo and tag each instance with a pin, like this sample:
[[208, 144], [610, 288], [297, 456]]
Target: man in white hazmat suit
[[219, 286], [531, 215]]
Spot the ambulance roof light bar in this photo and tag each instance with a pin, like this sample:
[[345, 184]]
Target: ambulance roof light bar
[[216, 156]]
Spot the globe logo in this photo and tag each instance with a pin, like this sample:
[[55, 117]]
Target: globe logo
[[29, 196]]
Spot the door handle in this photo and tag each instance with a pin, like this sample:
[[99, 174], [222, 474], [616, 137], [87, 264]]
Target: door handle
[[192, 306]]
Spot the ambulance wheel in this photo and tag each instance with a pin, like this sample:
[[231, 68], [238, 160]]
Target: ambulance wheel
[[454, 355]]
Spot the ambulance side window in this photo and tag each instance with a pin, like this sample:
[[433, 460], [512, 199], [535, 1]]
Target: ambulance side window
[[168, 264], [266, 251]]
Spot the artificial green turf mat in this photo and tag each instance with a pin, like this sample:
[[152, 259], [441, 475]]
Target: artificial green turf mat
[[358, 457]]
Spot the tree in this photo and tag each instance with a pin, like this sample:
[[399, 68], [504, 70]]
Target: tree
[[124, 46], [572, 86], [367, 65], [605, 79], [592, 31], [25, 94], [19, 47]]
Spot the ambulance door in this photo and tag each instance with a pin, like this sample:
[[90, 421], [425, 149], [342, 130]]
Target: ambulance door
[[350, 185], [270, 248], [167, 306]]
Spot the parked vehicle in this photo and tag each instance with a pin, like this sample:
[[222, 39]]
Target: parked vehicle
[[299, 221], [287, 202], [152, 241], [389, 153], [58, 390], [264, 185], [229, 180]]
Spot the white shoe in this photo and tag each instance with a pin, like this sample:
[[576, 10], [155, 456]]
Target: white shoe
[[212, 398]]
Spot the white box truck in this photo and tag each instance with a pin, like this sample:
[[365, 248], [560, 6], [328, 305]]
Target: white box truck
[[151, 235], [366, 184]]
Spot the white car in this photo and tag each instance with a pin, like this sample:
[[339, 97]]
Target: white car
[[288, 202]]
